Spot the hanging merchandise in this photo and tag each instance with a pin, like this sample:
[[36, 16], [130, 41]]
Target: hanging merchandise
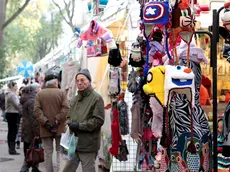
[[115, 130], [132, 83], [226, 16], [123, 151], [226, 144], [191, 136], [156, 51], [69, 71], [94, 36], [155, 13], [196, 54], [124, 74], [115, 57], [103, 46], [136, 128], [94, 31], [114, 81], [179, 79], [142, 43], [183, 26], [136, 59], [123, 117]]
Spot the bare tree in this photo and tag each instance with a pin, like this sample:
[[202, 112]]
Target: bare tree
[[3, 22], [2, 18], [67, 12]]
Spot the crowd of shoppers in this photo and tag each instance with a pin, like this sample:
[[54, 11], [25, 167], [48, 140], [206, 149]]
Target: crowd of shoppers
[[45, 113]]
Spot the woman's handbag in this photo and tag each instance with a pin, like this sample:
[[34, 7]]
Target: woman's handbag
[[35, 154]]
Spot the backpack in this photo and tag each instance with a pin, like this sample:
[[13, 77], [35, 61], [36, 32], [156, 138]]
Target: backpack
[[114, 82]]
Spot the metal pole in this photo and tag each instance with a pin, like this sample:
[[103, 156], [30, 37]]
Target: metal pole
[[215, 40], [214, 88]]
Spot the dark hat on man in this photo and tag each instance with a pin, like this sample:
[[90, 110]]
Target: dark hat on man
[[86, 73]]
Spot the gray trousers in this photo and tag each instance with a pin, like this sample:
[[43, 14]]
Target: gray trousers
[[48, 149], [87, 160]]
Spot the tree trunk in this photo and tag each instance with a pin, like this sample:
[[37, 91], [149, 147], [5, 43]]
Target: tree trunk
[[2, 18]]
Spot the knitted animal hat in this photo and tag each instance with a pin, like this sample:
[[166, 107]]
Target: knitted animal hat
[[183, 23], [154, 13], [179, 79], [226, 16], [155, 83]]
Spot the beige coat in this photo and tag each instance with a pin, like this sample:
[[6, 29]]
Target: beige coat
[[51, 104]]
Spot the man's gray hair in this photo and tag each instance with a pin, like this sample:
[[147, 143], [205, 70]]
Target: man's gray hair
[[51, 82]]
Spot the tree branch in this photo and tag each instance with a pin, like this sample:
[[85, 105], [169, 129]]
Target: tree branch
[[73, 8], [67, 10], [15, 14], [6, 3], [60, 10]]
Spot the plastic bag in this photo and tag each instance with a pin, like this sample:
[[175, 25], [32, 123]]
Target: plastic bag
[[68, 145], [65, 139], [72, 146]]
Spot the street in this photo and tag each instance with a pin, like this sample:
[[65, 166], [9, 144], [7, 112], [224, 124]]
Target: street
[[13, 163]]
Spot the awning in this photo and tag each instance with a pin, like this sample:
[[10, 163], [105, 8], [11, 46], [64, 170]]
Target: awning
[[114, 11], [12, 78]]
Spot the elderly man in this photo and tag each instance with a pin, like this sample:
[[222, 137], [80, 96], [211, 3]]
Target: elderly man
[[51, 109], [86, 116]]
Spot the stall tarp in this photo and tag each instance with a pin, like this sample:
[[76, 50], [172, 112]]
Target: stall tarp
[[97, 67]]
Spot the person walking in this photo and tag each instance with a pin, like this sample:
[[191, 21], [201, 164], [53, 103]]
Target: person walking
[[30, 126], [51, 109], [12, 108], [86, 116], [18, 136], [2, 105]]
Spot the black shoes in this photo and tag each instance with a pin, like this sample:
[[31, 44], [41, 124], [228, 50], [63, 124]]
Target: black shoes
[[12, 150]]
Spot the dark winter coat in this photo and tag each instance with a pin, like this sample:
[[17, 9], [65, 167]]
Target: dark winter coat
[[30, 126], [87, 110], [2, 101]]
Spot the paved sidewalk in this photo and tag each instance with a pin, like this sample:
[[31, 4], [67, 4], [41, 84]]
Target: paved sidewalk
[[13, 163]]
